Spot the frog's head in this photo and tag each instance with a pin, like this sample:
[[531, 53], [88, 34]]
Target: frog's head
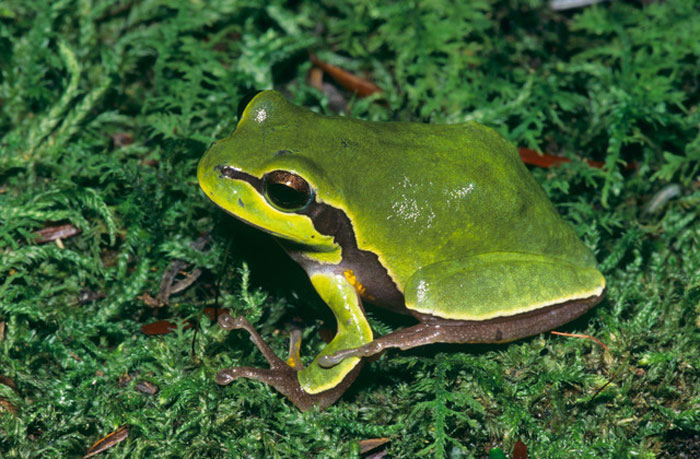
[[263, 174]]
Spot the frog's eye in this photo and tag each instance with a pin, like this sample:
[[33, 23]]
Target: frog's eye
[[245, 100], [287, 191]]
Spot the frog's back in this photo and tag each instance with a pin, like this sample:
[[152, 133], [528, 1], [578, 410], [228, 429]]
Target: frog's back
[[443, 192], [415, 194]]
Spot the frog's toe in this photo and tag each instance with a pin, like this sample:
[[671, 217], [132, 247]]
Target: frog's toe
[[229, 323], [370, 349], [228, 375]]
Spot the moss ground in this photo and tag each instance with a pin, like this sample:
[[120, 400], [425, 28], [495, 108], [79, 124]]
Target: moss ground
[[105, 109]]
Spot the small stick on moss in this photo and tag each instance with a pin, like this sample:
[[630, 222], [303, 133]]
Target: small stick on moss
[[600, 390], [576, 335]]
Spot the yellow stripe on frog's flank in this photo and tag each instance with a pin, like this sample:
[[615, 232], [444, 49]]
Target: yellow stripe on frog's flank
[[325, 258]]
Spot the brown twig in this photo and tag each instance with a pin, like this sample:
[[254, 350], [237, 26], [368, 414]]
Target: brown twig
[[576, 335]]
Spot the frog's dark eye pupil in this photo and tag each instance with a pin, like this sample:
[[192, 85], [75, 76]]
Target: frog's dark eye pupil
[[245, 100], [287, 191]]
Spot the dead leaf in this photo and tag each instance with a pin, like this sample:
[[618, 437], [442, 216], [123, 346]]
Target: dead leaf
[[6, 405], [168, 286], [55, 233], [109, 441], [125, 379], [160, 327], [372, 443], [519, 450], [544, 160], [122, 139], [347, 80], [8, 382], [146, 387]]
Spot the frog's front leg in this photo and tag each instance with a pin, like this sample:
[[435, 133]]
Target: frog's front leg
[[314, 385]]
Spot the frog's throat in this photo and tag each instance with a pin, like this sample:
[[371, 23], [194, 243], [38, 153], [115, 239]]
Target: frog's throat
[[380, 287]]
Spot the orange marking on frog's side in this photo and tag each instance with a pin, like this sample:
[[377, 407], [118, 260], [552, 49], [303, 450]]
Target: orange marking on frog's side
[[359, 288]]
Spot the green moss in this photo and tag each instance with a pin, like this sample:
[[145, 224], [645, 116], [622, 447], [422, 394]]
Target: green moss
[[106, 109]]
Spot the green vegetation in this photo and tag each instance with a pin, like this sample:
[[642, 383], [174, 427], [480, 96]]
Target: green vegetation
[[106, 109]]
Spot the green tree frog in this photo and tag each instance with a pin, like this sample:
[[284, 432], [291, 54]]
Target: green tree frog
[[442, 222]]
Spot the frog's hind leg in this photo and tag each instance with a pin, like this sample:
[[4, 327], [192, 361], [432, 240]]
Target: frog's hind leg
[[488, 298], [281, 375], [498, 330]]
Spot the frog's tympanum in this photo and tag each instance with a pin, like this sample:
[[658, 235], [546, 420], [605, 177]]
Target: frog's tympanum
[[442, 222]]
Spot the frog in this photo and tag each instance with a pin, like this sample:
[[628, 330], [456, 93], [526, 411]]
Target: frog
[[440, 222]]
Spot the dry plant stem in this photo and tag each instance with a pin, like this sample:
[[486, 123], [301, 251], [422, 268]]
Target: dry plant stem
[[576, 335]]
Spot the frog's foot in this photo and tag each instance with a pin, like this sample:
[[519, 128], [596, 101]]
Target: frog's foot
[[281, 375]]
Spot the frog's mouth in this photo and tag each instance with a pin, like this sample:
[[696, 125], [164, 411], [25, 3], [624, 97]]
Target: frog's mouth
[[241, 195]]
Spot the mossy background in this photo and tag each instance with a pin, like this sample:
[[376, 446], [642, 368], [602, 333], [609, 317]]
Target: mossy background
[[106, 108]]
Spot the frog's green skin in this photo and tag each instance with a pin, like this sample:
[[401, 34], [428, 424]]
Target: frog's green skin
[[441, 222]]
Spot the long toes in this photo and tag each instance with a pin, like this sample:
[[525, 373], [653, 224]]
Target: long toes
[[229, 323]]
